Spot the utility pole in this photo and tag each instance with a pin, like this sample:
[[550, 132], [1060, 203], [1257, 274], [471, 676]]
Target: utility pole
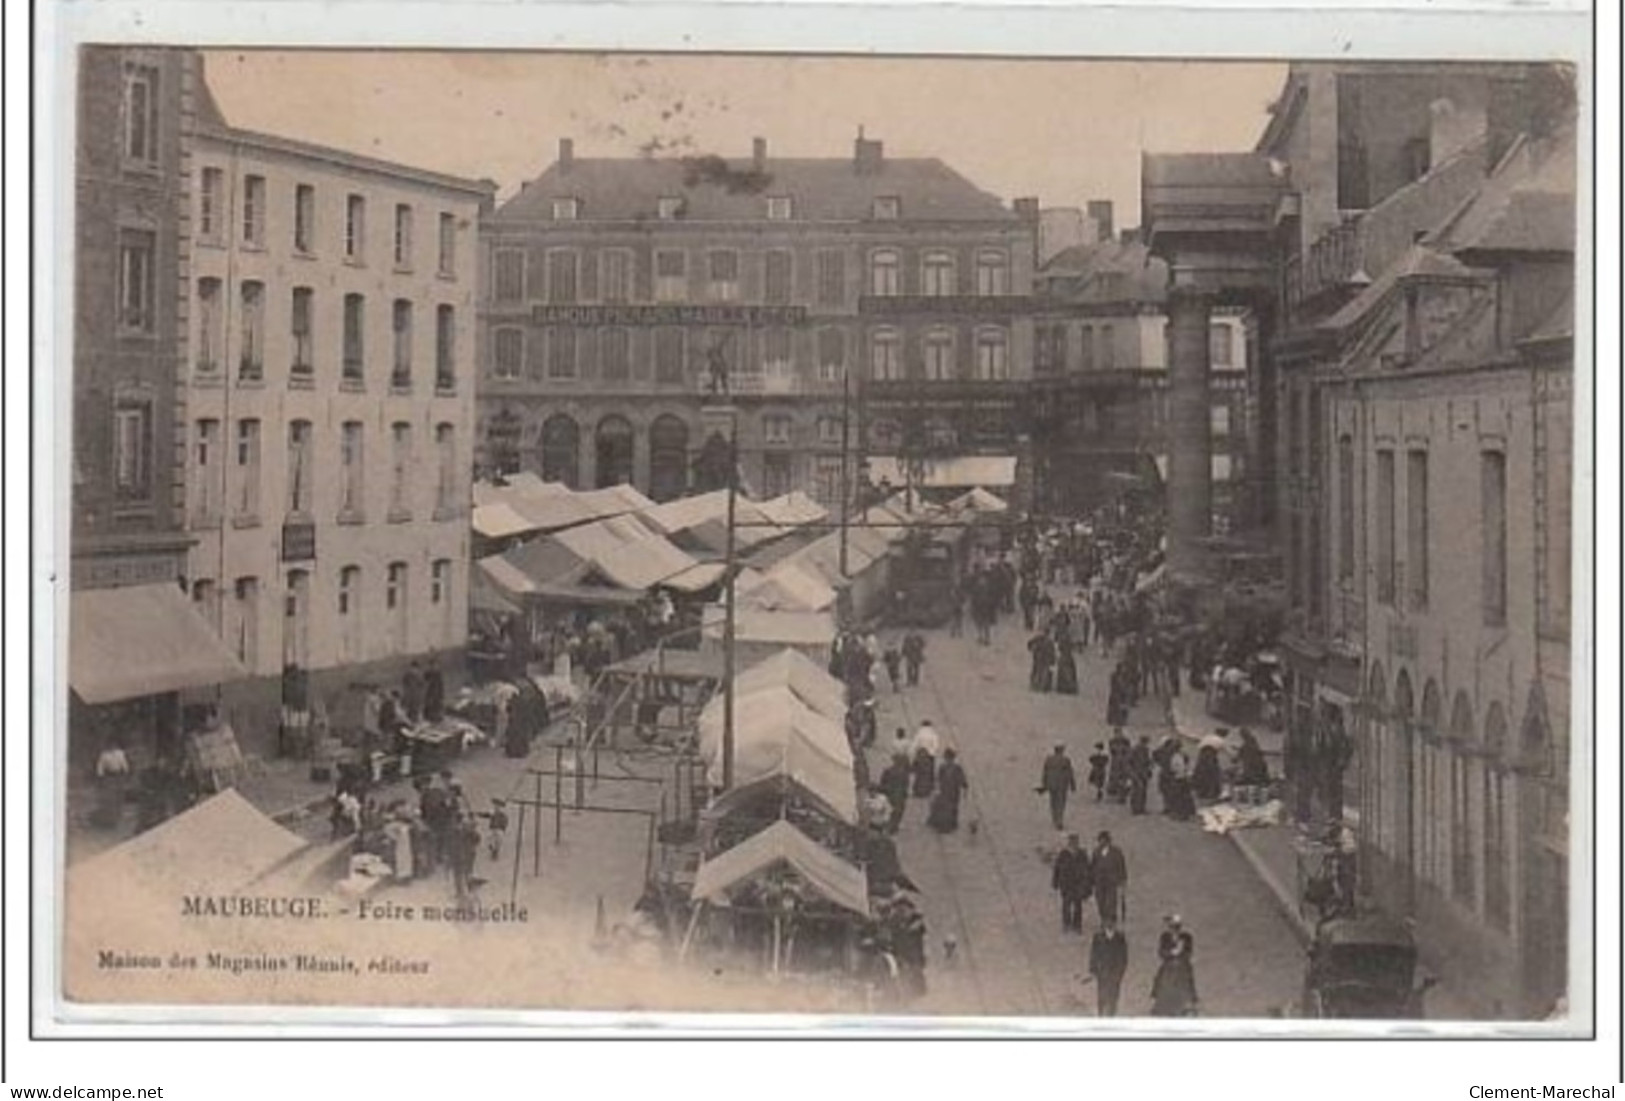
[[728, 604], [846, 448]]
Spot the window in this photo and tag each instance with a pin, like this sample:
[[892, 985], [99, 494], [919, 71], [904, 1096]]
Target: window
[[1220, 420], [396, 597], [669, 354], [349, 609], [992, 355], [141, 114], [1386, 564], [723, 275], [1345, 508], [211, 204], [355, 228], [301, 467], [246, 627], [1416, 528], [254, 211], [508, 352], [132, 449], [251, 363], [1106, 356], [937, 275], [669, 207], [1049, 353], [615, 350], [828, 482], [352, 462], [776, 473], [887, 208], [1497, 853], [1461, 828], [210, 325], [1086, 348], [400, 470], [403, 235], [445, 347], [671, 275], [440, 581], [884, 267], [831, 355], [400, 375], [206, 481], [831, 278], [1493, 518], [561, 352], [992, 272], [509, 275], [776, 351], [616, 275], [447, 264], [445, 448], [939, 355], [776, 429], [885, 362], [301, 329], [566, 210], [206, 600], [1219, 346], [246, 502], [136, 293], [779, 208], [829, 430], [562, 276], [776, 280], [349, 590], [304, 218]]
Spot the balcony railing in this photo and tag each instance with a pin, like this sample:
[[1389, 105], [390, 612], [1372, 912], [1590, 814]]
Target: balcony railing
[[1332, 261]]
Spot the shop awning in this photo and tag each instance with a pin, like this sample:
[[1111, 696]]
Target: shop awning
[[142, 640], [832, 877]]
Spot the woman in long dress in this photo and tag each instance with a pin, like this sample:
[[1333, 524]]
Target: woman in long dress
[[951, 785], [1066, 668], [925, 773], [1207, 781], [1173, 991]]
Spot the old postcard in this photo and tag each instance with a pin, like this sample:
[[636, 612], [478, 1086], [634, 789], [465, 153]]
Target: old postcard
[[940, 537]]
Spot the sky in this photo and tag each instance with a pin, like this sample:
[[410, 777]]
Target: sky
[[1063, 131]]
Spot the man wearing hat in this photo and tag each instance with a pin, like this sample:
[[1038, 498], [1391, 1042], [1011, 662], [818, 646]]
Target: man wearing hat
[[1073, 878], [1110, 870], [1058, 781]]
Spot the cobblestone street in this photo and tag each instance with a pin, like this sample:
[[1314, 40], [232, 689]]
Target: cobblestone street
[[988, 885]]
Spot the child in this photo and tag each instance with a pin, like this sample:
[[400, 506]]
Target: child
[[497, 825]]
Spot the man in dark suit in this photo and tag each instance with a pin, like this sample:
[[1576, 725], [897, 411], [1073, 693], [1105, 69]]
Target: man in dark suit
[[1072, 877], [1108, 960]]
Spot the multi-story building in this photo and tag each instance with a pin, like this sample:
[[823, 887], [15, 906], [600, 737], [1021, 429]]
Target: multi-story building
[[134, 642], [1100, 378], [829, 290], [330, 404], [1423, 229]]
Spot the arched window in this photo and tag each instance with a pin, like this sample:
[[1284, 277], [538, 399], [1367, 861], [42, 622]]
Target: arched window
[[992, 272], [668, 457], [992, 354], [938, 278], [614, 443], [561, 450], [885, 356], [939, 354], [885, 267]]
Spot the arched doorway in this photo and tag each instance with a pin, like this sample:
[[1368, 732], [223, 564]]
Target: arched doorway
[[1496, 825], [1430, 797], [561, 450], [614, 450], [668, 457], [1373, 756], [1543, 880], [1463, 862], [711, 465]]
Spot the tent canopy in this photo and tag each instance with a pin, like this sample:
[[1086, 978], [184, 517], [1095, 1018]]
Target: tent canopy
[[794, 509], [787, 587], [217, 847], [794, 670], [979, 500], [142, 640], [781, 628], [777, 735], [781, 843]]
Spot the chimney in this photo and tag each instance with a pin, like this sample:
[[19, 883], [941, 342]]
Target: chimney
[[1099, 212], [1026, 209], [867, 156], [759, 155], [567, 154]]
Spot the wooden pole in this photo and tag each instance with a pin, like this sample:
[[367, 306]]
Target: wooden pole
[[519, 844]]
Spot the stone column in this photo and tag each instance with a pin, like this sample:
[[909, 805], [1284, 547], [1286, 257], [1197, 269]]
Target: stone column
[[1190, 452]]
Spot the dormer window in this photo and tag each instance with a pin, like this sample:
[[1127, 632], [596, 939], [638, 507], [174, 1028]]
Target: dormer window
[[669, 208], [888, 208], [566, 210], [779, 208]]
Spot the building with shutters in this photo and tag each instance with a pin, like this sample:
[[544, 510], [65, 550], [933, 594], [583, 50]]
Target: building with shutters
[[831, 291], [329, 379]]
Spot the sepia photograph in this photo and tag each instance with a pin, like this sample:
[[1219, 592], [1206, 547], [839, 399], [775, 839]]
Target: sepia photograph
[[927, 537]]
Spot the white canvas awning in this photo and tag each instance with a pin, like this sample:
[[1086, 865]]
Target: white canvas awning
[[781, 843], [142, 640]]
